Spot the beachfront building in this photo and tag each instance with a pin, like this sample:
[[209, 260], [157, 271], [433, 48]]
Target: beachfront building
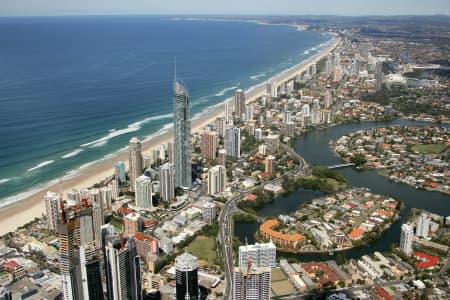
[[216, 180], [123, 275], [143, 192], [251, 283], [262, 255], [166, 182], [233, 141], [289, 241], [182, 135], [119, 172], [186, 277], [209, 144], [239, 103], [135, 157], [52, 211], [406, 239]]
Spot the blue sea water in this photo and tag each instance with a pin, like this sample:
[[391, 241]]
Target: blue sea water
[[75, 89]]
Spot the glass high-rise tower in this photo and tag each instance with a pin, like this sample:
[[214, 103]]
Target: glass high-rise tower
[[182, 135]]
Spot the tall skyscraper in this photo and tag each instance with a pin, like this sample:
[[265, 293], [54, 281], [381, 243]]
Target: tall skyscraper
[[406, 239], [328, 99], [233, 141], [222, 159], [248, 112], [270, 164], [122, 268], [186, 277], [216, 179], [135, 157], [315, 112], [166, 183], [119, 172], [80, 255], [182, 135], [52, 210], [98, 216], [251, 283], [209, 144], [378, 82], [262, 255], [239, 103], [143, 192]]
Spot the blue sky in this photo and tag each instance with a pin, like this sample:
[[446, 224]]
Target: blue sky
[[294, 7]]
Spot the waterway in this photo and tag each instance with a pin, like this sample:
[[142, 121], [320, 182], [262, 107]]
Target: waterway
[[314, 147]]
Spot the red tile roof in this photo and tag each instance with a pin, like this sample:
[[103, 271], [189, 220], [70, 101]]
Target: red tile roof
[[426, 260]]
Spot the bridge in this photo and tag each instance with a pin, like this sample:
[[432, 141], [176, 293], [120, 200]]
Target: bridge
[[341, 166]]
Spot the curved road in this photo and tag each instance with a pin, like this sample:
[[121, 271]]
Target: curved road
[[227, 211]]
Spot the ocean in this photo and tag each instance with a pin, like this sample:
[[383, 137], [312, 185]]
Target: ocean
[[74, 90]]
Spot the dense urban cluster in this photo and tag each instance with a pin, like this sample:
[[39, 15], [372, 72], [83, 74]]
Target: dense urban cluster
[[160, 227], [414, 155]]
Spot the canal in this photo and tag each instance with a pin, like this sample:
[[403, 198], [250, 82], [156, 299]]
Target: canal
[[314, 147]]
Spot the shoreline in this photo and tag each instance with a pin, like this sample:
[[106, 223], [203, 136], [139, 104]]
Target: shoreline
[[18, 213]]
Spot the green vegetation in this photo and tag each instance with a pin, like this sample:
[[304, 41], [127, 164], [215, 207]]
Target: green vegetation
[[429, 148], [243, 218], [204, 248], [164, 260], [262, 198], [383, 97], [358, 160], [323, 179]]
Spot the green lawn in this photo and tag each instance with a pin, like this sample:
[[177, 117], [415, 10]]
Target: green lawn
[[203, 249], [429, 148]]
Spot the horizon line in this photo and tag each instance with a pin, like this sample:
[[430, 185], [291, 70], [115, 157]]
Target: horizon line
[[221, 15]]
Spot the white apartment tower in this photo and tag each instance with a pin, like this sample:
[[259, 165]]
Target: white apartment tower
[[143, 192], [216, 179], [251, 283], [262, 255], [233, 141], [52, 210], [423, 225], [166, 181], [406, 239]]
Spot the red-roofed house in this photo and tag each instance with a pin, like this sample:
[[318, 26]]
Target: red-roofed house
[[356, 234], [382, 294], [14, 268], [426, 260]]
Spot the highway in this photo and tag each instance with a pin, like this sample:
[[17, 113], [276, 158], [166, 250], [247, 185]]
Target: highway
[[227, 211]]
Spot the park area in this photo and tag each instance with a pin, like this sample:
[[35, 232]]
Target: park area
[[429, 148], [203, 249]]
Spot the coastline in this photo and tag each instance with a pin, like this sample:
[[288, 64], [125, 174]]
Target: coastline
[[32, 206]]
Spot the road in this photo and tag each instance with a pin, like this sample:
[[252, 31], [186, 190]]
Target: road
[[227, 211]]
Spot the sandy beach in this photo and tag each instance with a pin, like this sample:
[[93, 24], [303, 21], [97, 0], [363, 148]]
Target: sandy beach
[[25, 210]]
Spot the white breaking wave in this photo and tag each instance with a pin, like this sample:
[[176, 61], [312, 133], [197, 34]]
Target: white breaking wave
[[42, 164], [222, 92], [5, 180], [131, 128], [306, 52], [254, 77], [73, 153]]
